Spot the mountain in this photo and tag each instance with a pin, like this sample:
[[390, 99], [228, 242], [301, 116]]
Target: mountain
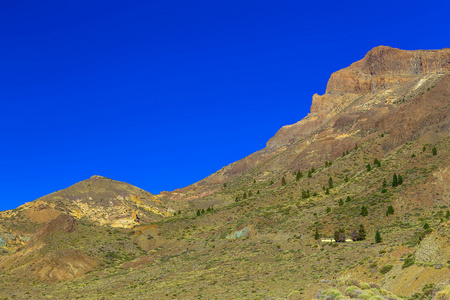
[[370, 164]]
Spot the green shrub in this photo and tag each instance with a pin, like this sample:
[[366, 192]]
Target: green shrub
[[386, 269], [409, 261]]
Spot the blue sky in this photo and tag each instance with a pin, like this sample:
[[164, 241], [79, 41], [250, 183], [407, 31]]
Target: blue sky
[[161, 94]]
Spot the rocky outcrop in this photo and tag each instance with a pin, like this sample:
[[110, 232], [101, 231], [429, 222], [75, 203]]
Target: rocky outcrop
[[378, 79]]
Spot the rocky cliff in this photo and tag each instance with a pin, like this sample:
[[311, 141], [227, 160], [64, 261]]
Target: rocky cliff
[[380, 77]]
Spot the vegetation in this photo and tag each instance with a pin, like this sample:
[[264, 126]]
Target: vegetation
[[378, 237]]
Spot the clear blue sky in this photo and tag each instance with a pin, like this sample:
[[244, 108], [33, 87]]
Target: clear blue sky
[[161, 94]]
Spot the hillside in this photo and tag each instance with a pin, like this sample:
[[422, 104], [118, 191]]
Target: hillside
[[374, 153]]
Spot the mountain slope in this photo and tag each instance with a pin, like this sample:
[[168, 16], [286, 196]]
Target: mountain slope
[[374, 153]]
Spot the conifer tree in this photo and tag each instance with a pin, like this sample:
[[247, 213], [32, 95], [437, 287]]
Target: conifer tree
[[368, 167], [225, 185], [343, 154], [245, 195], [309, 174], [203, 211], [341, 202], [378, 238], [364, 211], [283, 181], [257, 192], [384, 183], [346, 178], [376, 162], [447, 215], [271, 182], [316, 235], [390, 210], [348, 199], [426, 226], [434, 151], [179, 212], [198, 212], [327, 191], [400, 179], [347, 153], [356, 147], [298, 176], [330, 182], [361, 233], [394, 180]]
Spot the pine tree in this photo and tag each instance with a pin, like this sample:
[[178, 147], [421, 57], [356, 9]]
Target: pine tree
[[424, 149], [364, 211], [400, 179], [179, 212], [447, 215], [225, 185], [341, 202], [390, 210], [434, 151], [330, 182], [203, 211], [348, 199], [343, 154], [298, 176], [283, 181], [317, 235], [346, 178], [356, 147], [376, 162], [328, 210], [245, 195], [309, 174], [327, 191], [384, 183], [426, 226], [257, 192], [198, 212], [394, 180], [347, 153], [271, 182], [361, 233], [368, 167], [378, 238]]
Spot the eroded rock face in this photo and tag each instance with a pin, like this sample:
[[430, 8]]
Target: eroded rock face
[[379, 78]]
